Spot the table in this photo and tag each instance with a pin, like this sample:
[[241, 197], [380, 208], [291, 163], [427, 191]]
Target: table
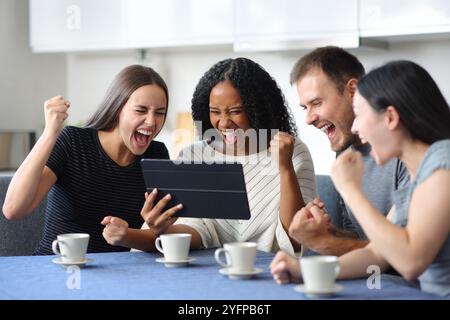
[[136, 275]]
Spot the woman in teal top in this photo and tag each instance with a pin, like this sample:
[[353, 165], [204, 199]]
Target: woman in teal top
[[401, 112]]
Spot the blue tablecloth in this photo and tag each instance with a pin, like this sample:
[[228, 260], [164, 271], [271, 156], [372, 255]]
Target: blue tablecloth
[[136, 275]]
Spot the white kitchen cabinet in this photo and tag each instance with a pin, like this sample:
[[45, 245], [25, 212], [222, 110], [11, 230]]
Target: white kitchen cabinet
[[294, 24], [72, 25], [379, 18], [250, 25], [77, 25], [163, 23]]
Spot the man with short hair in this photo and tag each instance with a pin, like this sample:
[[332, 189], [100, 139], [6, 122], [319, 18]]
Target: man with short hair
[[326, 81]]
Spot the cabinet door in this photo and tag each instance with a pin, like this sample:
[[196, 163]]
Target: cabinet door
[[404, 17], [157, 23], [69, 25], [260, 23]]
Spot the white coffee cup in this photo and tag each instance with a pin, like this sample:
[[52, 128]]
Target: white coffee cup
[[174, 246], [240, 256], [72, 246], [319, 273]]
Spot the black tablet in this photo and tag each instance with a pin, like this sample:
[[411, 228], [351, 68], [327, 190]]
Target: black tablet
[[206, 190]]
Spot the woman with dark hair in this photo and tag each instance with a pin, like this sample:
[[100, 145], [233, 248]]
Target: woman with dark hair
[[244, 118], [240, 110], [94, 171], [242, 114], [262, 99], [401, 112]]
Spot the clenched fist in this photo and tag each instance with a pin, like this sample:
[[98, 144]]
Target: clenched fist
[[55, 114], [115, 230], [282, 149]]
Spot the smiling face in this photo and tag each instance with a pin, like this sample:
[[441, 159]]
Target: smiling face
[[376, 129], [327, 109], [142, 117], [226, 112]]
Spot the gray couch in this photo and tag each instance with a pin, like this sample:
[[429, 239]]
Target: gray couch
[[19, 237]]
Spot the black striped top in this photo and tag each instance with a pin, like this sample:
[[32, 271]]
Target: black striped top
[[91, 186]]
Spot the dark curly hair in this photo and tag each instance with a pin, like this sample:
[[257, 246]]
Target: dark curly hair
[[264, 103]]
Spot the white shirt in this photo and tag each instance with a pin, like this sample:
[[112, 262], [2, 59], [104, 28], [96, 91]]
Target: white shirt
[[262, 179]]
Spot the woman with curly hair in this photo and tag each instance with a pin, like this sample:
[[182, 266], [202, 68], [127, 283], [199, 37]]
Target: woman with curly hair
[[239, 109], [242, 114]]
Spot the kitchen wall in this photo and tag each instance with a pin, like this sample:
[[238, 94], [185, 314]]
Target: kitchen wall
[[26, 79], [88, 76]]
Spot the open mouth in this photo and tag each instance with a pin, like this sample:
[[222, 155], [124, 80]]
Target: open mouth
[[143, 137], [329, 130], [362, 139], [230, 136]]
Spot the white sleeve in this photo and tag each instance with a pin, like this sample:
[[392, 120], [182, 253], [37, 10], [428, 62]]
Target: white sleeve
[[205, 229], [304, 170], [282, 238]]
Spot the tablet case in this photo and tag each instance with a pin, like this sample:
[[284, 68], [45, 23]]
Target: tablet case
[[206, 190]]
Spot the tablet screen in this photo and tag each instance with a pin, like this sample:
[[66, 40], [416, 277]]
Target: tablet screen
[[206, 190]]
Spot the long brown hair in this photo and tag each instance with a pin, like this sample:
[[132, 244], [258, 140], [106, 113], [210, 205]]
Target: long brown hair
[[124, 84]]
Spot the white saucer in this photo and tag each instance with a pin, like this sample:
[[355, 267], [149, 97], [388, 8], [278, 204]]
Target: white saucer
[[243, 275], [318, 294], [74, 263], [174, 264]]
